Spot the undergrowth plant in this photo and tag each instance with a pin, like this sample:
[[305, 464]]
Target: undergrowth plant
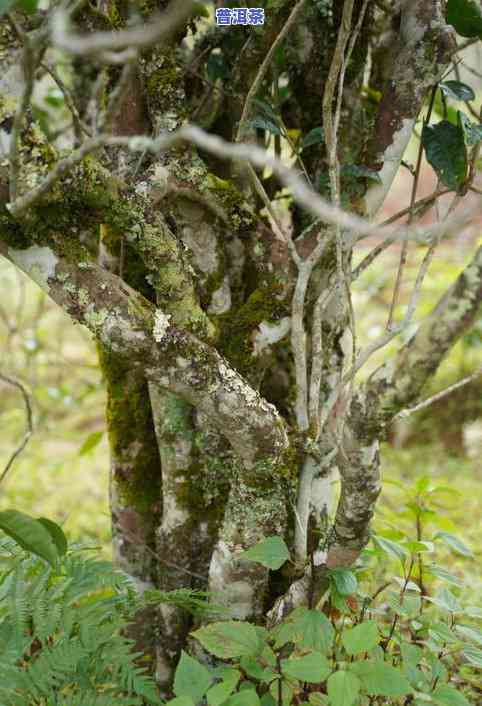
[[393, 630], [64, 614], [408, 640]]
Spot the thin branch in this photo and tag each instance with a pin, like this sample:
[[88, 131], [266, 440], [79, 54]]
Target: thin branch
[[159, 28], [403, 254], [28, 66], [79, 127], [28, 423], [440, 395], [255, 86], [301, 192]]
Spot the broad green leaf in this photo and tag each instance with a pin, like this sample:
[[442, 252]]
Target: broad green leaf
[[313, 630], [411, 654], [56, 533], [286, 632], [457, 90], [220, 692], [180, 701], [473, 611], [314, 137], [266, 109], [446, 600], [419, 547], [407, 585], [465, 16], [191, 679], [30, 534], [361, 638], [441, 633], [230, 639], [454, 543], [243, 698], [318, 699], [268, 700], [271, 552], [6, 6], [390, 547], [260, 123], [446, 695], [313, 668], [441, 573], [344, 580], [473, 655], [91, 442], [343, 688], [446, 152], [380, 679], [469, 632], [472, 131], [252, 667]]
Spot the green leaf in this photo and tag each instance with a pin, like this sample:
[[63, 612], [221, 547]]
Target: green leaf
[[191, 678], [260, 123], [472, 131], [318, 699], [230, 639], [446, 600], [266, 109], [446, 152], [344, 580], [6, 5], [343, 688], [361, 638], [244, 698], [220, 692], [441, 633], [469, 632], [312, 668], [180, 701], [390, 547], [446, 695], [30, 534], [454, 543], [312, 630], [314, 137], [91, 442], [271, 552], [465, 16], [380, 679], [444, 575], [357, 171], [457, 90], [419, 547], [473, 655], [56, 533]]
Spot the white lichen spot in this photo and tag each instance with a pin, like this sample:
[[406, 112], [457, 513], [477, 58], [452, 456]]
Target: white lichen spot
[[161, 324], [221, 298], [269, 333], [37, 262]]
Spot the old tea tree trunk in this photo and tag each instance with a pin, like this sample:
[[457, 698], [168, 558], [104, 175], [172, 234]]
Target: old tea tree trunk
[[224, 324]]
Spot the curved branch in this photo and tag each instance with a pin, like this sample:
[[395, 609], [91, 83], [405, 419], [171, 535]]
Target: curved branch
[[29, 423], [172, 358]]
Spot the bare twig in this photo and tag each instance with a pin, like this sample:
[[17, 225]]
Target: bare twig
[[159, 28], [79, 127], [255, 86], [440, 395], [28, 66], [252, 154], [28, 423]]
